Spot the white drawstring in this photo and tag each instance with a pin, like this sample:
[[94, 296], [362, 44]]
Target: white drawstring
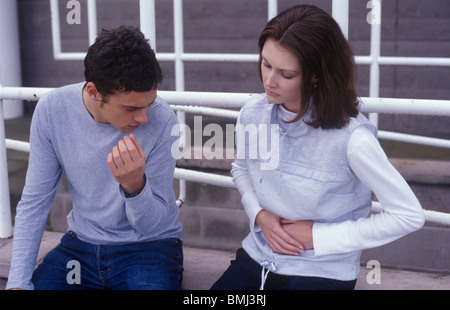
[[264, 274]]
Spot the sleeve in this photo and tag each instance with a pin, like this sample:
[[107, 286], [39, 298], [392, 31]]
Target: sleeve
[[401, 214], [43, 175], [152, 211], [239, 172]]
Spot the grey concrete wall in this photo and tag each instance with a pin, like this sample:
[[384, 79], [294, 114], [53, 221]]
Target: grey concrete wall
[[417, 28], [213, 217]]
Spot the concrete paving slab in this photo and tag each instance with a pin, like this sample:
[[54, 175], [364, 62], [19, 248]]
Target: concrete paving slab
[[204, 266], [49, 241], [403, 280]]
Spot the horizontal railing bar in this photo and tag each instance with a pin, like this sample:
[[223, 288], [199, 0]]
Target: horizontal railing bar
[[210, 99], [435, 217], [17, 145], [230, 57], [237, 100], [233, 100], [403, 61], [226, 181], [204, 177], [387, 135], [207, 111], [23, 93], [412, 106], [212, 57], [408, 138], [413, 61]]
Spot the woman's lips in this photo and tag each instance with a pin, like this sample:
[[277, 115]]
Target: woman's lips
[[271, 93]]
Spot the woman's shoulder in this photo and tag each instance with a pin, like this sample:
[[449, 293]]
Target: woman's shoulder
[[254, 110], [360, 121], [256, 101]]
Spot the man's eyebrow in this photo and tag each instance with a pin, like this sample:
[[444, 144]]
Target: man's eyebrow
[[137, 108]]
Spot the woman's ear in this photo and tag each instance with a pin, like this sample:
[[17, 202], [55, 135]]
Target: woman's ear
[[315, 81]]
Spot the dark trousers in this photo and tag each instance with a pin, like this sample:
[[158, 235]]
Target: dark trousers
[[245, 274], [77, 265]]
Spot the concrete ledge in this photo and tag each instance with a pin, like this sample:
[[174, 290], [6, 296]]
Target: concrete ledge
[[203, 267], [49, 241]]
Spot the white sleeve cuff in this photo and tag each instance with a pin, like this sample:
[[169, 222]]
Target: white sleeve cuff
[[330, 238], [252, 208]]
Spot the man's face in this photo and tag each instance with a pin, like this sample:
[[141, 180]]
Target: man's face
[[127, 110]]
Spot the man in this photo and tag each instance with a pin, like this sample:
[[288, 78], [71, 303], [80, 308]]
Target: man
[[111, 135]]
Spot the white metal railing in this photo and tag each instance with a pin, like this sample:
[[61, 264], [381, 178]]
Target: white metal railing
[[340, 11], [216, 103], [224, 101]]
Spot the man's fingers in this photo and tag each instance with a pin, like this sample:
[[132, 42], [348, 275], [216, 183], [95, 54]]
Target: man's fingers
[[110, 162], [130, 150], [117, 158], [133, 149], [124, 151], [138, 146], [127, 153]]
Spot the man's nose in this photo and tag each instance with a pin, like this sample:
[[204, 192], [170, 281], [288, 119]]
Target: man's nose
[[141, 117]]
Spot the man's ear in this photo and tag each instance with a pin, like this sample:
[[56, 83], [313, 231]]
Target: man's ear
[[92, 92]]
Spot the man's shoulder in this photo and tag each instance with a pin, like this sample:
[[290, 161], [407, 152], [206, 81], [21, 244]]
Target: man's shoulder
[[161, 110], [59, 96]]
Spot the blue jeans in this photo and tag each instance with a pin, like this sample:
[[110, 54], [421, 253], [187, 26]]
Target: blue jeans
[[245, 274], [77, 265]]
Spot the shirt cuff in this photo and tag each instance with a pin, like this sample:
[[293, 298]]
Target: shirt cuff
[[132, 195], [337, 243], [252, 209]]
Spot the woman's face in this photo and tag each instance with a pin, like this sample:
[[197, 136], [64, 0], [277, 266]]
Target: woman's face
[[281, 76]]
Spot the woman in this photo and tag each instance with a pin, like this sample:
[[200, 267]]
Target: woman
[[308, 213]]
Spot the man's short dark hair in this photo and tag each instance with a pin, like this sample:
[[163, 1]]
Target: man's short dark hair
[[122, 60]]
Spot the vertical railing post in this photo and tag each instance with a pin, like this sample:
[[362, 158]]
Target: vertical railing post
[[375, 53], [56, 31], [272, 8], [179, 44], [340, 12], [179, 74], [5, 204], [56, 27], [92, 20], [10, 65], [147, 11]]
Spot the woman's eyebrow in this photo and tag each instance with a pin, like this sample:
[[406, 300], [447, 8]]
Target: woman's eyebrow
[[290, 70]]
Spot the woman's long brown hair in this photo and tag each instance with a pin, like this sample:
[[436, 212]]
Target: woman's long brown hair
[[324, 53]]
